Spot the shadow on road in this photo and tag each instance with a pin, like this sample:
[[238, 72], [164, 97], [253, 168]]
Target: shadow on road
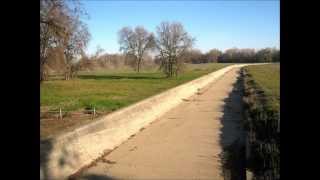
[[95, 177], [45, 150], [64, 158], [232, 135]]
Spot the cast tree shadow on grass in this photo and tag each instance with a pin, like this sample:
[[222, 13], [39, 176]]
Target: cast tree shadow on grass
[[232, 135], [104, 77]]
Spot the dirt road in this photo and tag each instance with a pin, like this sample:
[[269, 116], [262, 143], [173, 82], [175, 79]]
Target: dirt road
[[185, 143]]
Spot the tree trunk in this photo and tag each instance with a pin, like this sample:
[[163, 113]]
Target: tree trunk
[[139, 62], [42, 78], [43, 74], [171, 68], [66, 76]]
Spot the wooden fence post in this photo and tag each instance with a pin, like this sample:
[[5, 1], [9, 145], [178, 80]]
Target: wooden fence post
[[60, 113]]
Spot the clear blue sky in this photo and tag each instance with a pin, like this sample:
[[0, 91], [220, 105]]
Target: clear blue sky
[[214, 24]]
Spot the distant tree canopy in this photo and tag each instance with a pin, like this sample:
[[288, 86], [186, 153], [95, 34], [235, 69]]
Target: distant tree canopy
[[213, 55], [194, 56], [235, 55], [268, 55], [238, 55]]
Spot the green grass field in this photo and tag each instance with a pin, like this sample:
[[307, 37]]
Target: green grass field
[[267, 77], [108, 91]]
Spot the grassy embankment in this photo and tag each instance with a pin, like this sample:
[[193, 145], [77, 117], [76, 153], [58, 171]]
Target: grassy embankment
[[266, 78], [262, 97], [108, 91]]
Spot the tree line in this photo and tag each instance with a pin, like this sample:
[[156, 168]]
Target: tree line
[[62, 30], [233, 55], [64, 37]]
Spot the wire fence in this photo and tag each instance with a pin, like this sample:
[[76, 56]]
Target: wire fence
[[60, 113]]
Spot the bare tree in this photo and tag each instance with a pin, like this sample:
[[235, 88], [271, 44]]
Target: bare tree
[[75, 43], [52, 29], [58, 24], [134, 43], [172, 41]]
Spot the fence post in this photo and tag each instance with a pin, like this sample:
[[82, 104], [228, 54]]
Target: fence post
[[278, 129], [94, 111], [60, 113]]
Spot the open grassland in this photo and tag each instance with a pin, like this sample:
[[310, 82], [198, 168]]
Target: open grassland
[[107, 91], [267, 78]]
